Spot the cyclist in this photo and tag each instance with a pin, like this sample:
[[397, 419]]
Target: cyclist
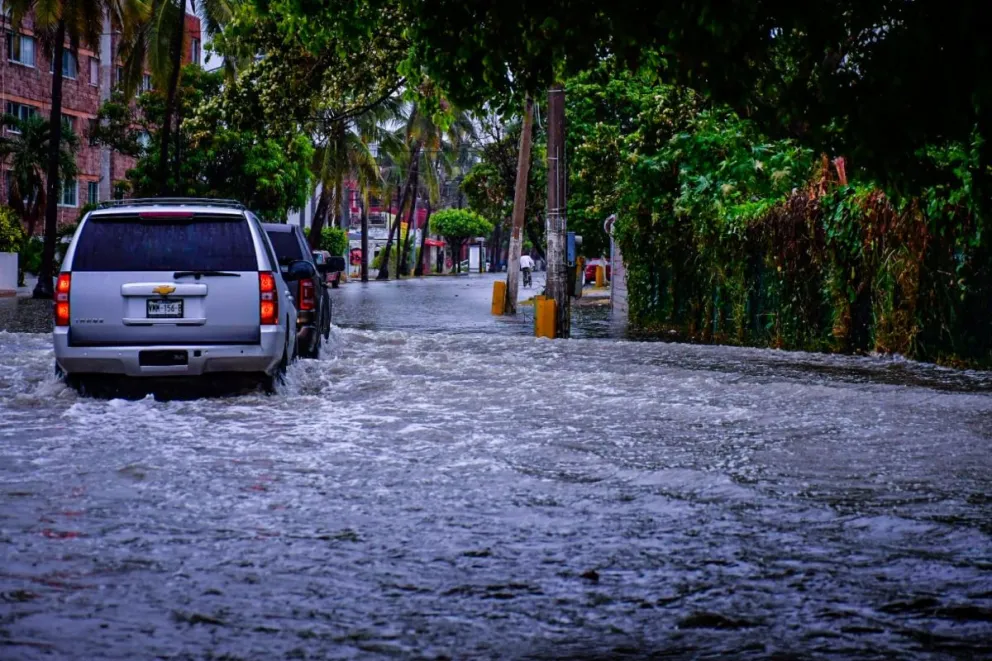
[[526, 265]]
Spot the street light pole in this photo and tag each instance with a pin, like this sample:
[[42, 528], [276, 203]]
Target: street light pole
[[557, 281]]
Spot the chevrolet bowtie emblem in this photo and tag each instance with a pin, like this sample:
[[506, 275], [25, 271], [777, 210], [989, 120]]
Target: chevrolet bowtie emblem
[[164, 290]]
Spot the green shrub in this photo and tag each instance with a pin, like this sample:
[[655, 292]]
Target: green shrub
[[11, 234], [334, 240], [29, 260]]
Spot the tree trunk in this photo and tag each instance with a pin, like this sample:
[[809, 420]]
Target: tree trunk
[[519, 209], [317, 222], [384, 262], [418, 270], [365, 238], [45, 288], [496, 241], [176, 52], [339, 201], [557, 277], [384, 267], [404, 267]]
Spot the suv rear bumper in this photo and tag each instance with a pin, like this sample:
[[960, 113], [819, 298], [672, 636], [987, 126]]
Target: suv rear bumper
[[264, 357]]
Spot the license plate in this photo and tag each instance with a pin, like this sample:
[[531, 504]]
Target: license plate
[[164, 309]]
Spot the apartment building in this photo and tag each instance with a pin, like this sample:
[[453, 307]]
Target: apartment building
[[88, 79]]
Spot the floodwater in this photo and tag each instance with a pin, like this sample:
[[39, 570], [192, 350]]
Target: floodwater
[[442, 485]]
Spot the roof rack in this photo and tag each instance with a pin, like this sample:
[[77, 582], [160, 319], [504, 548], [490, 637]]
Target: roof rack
[[172, 201]]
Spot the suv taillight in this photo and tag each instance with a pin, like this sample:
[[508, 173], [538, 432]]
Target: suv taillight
[[268, 303], [62, 288], [307, 301]]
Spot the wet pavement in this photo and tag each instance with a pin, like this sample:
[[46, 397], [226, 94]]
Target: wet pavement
[[442, 485]]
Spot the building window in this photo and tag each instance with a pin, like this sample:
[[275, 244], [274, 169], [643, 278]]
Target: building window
[[144, 139], [20, 111], [120, 75], [194, 51], [20, 49], [93, 192], [146, 82], [70, 194], [70, 68], [94, 72]]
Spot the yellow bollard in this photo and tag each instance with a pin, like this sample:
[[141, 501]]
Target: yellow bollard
[[545, 317], [499, 297], [600, 277]]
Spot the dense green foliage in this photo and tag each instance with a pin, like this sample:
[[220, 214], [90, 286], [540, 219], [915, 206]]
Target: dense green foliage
[[489, 185], [269, 174], [11, 234], [460, 224], [732, 236], [332, 239], [24, 147]]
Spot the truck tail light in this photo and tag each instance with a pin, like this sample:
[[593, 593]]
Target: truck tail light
[[62, 288], [307, 301], [268, 303]]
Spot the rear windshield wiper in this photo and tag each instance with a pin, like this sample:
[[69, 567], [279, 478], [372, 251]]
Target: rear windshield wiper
[[183, 274]]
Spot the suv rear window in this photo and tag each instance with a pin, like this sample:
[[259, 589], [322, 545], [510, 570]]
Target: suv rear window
[[128, 243], [287, 246]]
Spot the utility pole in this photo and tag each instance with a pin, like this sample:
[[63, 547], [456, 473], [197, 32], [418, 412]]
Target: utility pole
[[557, 280], [365, 237], [519, 209]]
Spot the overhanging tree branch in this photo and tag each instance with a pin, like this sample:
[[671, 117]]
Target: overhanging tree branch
[[361, 110]]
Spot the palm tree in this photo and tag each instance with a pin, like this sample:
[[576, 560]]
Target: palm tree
[[23, 148], [159, 42], [419, 140], [394, 178], [452, 158], [347, 149], [55, 22]]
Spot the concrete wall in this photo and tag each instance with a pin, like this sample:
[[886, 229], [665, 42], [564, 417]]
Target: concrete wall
[[618, 284], [8, 273]]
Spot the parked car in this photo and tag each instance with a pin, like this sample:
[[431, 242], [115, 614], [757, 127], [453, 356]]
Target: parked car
[[173, 288], [590, 273], [329, 266], [313, 321]]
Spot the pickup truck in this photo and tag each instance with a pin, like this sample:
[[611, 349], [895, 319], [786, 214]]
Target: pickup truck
[[329, 266]]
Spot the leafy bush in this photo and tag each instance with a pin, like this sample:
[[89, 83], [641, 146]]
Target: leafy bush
[[29, 260], [11, 234], [460, 224], [334, 240]]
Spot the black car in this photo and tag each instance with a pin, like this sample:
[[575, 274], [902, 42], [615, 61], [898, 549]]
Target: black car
[[313, 305]]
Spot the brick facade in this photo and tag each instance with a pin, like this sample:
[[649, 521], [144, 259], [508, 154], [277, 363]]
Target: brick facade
[[96, 75]]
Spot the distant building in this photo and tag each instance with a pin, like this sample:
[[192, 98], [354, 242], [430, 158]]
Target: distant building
[[88, 80]]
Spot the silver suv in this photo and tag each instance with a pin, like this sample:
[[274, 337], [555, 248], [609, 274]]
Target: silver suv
[[174, 287]]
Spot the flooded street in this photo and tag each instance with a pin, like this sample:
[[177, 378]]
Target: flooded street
[[442, 485]]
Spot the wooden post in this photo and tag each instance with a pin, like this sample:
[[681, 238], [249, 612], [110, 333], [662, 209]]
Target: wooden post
[[519, 209]]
